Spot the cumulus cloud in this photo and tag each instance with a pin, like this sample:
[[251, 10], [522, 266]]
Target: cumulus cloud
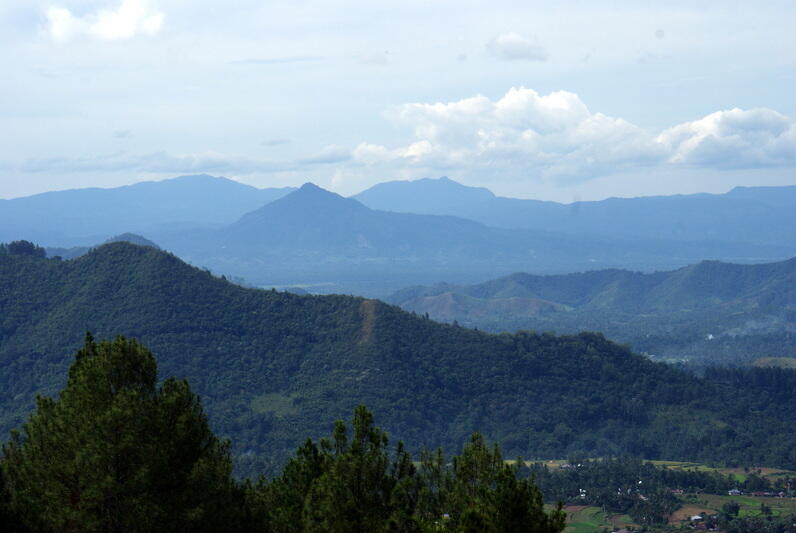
[[557, 137], [552, 135], [733, 139], [126, 20], [511, 46]]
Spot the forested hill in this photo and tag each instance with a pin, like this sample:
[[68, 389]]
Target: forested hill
[[274, 368], [710, 312]]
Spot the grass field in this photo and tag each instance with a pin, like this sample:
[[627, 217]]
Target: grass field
[[739, 474], [587, 519], [750, 505]]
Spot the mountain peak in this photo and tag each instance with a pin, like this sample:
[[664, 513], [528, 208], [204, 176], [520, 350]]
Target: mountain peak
[[309, 186], [309, 192], [307, 202], [133, 238]]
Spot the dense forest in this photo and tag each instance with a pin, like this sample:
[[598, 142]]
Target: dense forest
[[274, 368], [117, 452]]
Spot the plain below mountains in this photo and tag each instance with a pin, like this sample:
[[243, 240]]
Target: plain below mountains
[[274, 368], [706, 313]]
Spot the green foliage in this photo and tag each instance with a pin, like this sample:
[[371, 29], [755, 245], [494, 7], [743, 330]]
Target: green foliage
[[114, 452], [22, 248], [354, 484], [483, 491], [274, 367], [9, 520]]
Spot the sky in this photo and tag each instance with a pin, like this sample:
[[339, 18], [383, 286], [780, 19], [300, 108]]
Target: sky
[[565, 100]]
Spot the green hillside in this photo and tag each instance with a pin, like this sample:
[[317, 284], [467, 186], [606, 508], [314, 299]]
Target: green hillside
[[273, 368], [706, 313]]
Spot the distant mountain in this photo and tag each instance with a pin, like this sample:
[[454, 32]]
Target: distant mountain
[[745, 214], [273, 368], [77, 251], [132, 238], [315, 219], [776, 196], [326, 243], [87, 216], [710, 312], [425, 196], [316, 236]]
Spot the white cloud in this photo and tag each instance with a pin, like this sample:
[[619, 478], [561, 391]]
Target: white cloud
[[556, 137], [551, 135], [512, 46], [128, 19], [733, 139]]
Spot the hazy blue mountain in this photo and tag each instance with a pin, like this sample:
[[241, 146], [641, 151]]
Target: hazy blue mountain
[[427, 196], [745, 214], [77, 251], [132, 238], [316, 236], [274, 368], [784, 196], [707, 312], [319, 219], [88, 216]]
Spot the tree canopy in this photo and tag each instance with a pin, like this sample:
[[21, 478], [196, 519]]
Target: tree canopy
[[115, 452]]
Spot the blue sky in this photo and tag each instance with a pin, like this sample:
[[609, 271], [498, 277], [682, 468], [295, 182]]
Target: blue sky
[[555, 100]]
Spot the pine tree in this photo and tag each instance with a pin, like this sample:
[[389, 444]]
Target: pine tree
[[114, 452], [358, 493], [481, 492]]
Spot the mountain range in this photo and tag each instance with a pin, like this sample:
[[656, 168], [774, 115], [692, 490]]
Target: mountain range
[[705, 313], [322, 242], [82, 217], [273, 368], [314, 236], [765, 215]]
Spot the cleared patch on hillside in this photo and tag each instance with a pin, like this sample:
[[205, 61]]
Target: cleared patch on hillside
[[590, 519], [368, 311], [280, 404], [684, 513]]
